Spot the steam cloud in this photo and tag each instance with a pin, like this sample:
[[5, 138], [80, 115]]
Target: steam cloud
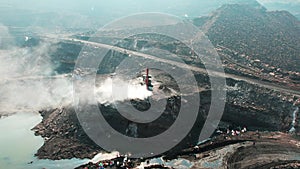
[[28, 82], [116, 89], [24, 77]]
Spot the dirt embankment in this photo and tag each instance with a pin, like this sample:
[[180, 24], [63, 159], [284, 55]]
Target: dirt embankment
[[64, 137], [269, 150], [265, 150], [247, 150]]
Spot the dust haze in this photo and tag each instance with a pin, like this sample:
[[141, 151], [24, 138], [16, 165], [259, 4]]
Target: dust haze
[[29, 83]]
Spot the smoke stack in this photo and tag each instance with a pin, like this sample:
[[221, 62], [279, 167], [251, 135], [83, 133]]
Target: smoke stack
[[147, 78]]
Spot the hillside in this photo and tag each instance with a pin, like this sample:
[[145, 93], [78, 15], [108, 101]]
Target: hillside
[[253, 33]]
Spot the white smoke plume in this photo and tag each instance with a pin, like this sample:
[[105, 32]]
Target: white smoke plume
[[27, 82], [5, 37], [116, 89]]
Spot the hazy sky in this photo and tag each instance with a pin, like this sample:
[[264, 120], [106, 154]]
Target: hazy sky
[[279, 1], [80, 13], [105, 5], [86, 5]]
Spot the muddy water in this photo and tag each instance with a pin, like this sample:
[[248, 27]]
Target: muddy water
[[18, 144]]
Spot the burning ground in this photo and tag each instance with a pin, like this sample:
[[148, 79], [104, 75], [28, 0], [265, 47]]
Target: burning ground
[[267, 124]]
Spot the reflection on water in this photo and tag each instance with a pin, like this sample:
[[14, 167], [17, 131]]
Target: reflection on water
[[18, 144]]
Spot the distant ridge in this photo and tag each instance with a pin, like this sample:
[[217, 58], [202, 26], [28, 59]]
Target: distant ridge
[[248, 28]]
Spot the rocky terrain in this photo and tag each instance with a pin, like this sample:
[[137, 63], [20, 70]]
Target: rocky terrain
[[266, 49], [246, 150], [270, 36], [256, 108], [64, 137], [252, 42], [255, 42]]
